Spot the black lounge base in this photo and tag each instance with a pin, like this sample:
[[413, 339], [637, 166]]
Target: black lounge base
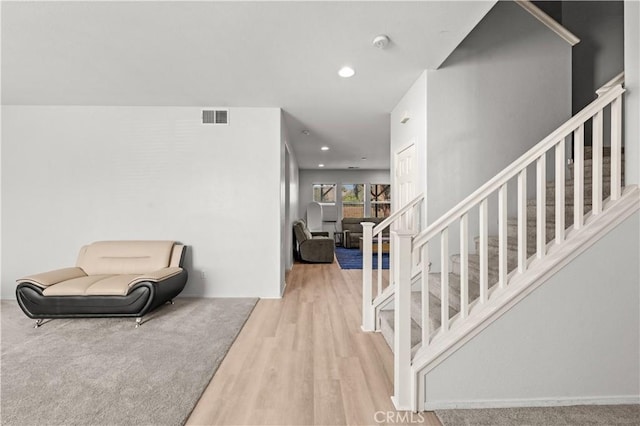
[[141, 299]]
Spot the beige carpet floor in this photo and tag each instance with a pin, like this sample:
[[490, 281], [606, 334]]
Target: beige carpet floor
[[580, 415], [107, 372]]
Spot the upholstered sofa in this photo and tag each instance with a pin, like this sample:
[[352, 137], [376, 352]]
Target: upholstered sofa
[[352, 230], [314, 247], [110, 279]]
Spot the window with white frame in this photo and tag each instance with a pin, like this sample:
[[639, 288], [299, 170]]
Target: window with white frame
[[353, 200], [324, 193], [380, 200]]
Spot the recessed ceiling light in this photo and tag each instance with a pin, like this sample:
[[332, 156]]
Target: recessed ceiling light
[[325, 148], [320, 165], [346, 72], [306, 132]]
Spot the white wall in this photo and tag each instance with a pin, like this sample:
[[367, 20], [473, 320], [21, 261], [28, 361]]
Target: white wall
[[72, 175], [308, 177], [294, 195], [289, 200], [414, 131], [575, 339], [632, 95]]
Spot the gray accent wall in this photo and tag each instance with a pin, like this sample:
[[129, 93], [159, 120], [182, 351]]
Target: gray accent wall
[[632, 95], [600, 54], [505, 88], [573, 340]]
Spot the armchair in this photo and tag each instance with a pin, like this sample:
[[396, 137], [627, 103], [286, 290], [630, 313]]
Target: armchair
[[352, 230], [314, 247]]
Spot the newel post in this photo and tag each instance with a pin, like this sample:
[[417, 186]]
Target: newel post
[[402, 322], [367, 271]]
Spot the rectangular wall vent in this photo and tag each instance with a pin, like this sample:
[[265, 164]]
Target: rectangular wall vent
[[215, 116]]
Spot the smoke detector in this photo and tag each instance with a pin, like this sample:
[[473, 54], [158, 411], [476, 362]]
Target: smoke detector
[[381, 41]]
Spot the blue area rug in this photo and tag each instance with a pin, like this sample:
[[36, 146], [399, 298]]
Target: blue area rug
[[352, 259]]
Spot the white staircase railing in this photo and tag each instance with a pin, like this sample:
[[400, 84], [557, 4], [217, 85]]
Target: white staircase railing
[[437, 236], [406, 218]]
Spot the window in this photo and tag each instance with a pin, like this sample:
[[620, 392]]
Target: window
[[324, 193], [380, 200], [352, 200]]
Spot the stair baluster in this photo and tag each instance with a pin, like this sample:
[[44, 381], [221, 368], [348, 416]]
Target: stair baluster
[[402, 320], [522, 221], [578, 177], [560, 197], [444, 280], [502, 236], [464, 265], [424, 296], [541, 204], [596, 167], [367, 297], [484, 254], [616, 148]]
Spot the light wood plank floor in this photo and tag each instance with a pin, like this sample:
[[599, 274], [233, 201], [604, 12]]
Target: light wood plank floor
[[303, 360]]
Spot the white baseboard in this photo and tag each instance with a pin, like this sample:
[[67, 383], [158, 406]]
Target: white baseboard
[[536, 402]]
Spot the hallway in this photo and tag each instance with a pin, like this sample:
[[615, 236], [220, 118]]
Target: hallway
[[303, 360]]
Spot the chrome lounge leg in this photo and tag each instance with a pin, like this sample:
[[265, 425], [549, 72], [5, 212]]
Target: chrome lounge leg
[[138, 322], [38, 323]]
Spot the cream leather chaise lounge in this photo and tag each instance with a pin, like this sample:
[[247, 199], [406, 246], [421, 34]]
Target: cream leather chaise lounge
[[110, 279]]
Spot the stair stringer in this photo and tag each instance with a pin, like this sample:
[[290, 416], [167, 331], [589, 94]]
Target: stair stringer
[[520, 286]]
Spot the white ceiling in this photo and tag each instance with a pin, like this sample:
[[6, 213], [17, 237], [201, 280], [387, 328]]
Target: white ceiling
[[236, 53]]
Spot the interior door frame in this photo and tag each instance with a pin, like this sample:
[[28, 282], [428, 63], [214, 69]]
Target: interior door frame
[[395, 190]]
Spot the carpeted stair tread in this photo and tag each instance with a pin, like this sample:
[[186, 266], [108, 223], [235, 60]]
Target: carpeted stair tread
[[435, 290], [550, 211], [550, 195], [606, 180], [512, 244], [387, 327], [386, 317], [588, 166], [569, 194], [474, 268], [550, 230]]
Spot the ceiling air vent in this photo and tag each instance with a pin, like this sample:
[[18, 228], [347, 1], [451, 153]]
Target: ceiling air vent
[[215, 116]]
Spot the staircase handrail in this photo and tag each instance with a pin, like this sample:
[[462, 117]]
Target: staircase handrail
[[547, 20], [395, 215], [516, 167], [617, 80]]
